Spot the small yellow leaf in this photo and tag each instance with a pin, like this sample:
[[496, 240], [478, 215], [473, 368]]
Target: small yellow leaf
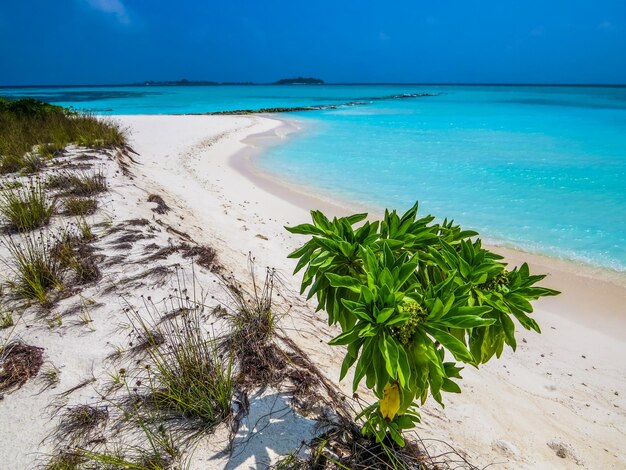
[[390, 404]]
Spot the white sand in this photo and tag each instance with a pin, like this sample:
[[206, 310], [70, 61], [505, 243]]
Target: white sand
[[563, 389], [561, 393]]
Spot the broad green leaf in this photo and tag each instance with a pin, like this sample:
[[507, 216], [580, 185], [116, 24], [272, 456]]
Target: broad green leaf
[[344, 281], [465, 321], [456, 347]]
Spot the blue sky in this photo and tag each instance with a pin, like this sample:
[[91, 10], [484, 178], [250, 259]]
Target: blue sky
[[444, 41]]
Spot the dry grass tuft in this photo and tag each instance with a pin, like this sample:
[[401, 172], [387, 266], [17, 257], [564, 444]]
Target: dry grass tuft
[[137, 222], [79, 423], [131, 236], [74, 253], [252, 327]]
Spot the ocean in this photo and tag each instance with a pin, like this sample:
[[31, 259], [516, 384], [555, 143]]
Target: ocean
[[542, 169]]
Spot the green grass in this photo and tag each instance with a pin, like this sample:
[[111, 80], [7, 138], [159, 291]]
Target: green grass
[[26, 208], [187, 377], [6, 320], [84, 229], [77, 206], [35, 268], [83, 183], [29, 125], [65, 461], [49, 151]]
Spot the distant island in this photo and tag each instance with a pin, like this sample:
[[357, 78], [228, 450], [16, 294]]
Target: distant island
[[185, 82], [299, 81]]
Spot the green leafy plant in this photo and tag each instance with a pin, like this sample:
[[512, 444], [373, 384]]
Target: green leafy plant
[[413, 299]]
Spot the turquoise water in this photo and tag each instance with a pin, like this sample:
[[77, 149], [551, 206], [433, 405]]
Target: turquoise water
[[539, 168]]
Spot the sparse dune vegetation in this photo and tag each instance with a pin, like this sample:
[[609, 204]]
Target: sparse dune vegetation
[[30, 129]]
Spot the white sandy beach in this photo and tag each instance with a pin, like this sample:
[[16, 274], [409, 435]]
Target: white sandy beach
[[559, 401]]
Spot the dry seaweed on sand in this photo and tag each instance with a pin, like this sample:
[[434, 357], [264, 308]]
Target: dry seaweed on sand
[[18, 363], [203, 255], [341, 445], [78, 424], [161, 206]]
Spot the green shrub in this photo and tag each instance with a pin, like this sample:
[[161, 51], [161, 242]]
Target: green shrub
[[26, 208], [408, 294]]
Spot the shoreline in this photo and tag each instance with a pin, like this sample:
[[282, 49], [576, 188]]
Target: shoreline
[[593, 285]]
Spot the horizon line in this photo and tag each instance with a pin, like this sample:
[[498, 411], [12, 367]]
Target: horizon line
[[191, 84]]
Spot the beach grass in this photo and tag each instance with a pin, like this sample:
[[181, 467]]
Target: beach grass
[[188, 378], [74, 254], [66, 460], [35, 267], [251, 321], [84, 229], [27, 207], [50, 376], [78, 183], [76, 206], [79, 421], [6, 320], [30, 127]]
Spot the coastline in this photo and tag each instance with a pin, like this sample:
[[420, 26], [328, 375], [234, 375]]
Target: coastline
[[588, 287], [557, 395]]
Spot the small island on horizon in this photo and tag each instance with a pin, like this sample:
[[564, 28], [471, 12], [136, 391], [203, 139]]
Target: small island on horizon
[[185, 82], [300, 81]]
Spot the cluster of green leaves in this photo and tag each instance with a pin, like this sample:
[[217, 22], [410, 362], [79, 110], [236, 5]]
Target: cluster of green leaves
[[408, 294], [29, 127]]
